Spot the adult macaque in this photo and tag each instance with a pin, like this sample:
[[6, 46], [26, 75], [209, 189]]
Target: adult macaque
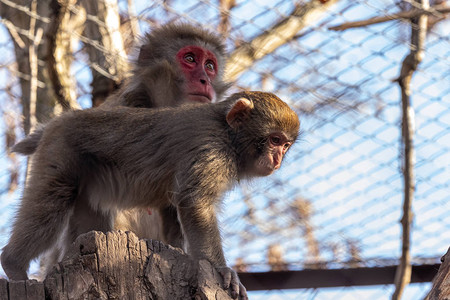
[[177, 63], [181, 158]]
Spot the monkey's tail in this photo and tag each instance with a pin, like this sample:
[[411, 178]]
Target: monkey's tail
[[28, 145]]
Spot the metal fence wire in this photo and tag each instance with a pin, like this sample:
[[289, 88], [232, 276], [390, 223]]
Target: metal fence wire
[[337, 201]]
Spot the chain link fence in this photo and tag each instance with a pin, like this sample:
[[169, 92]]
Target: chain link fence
[[337, 201]]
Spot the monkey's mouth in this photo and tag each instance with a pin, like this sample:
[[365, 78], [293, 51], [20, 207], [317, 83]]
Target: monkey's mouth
[[200, 98]]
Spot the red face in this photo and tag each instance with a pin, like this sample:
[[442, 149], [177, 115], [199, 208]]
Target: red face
[[199, 65], [277, 146]]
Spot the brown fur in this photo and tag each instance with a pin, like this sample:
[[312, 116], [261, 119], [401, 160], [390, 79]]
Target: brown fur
[[158, 82], [155, 82], [181, 159]]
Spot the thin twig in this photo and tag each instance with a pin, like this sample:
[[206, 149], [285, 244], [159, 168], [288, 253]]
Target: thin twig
[[134, 24], [33, 66], [14, 33], [25, 9]]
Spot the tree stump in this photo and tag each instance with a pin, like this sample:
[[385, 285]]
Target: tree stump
[[441, 283], [117, 265]]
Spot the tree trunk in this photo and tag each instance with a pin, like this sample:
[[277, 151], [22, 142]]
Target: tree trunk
[[441, 283], [38, 100], [118, 265], [105, 47]]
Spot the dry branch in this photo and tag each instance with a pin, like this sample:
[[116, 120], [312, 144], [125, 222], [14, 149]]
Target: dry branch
[[224, 24], [35, 35], [410, 64], [304, 212], [304, 15], [14, 32], [24, 23], [60, 54], [413, 13], [16, 5], [105, 47], [134, 24]]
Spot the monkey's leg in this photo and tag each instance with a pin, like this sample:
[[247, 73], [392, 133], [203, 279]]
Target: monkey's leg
[[171, 227], [44, 207], [55, 253], [82, 219], [85, 218]]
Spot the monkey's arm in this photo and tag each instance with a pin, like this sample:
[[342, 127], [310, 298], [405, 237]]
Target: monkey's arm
[[200, 226], [198, 193], [202, 233]]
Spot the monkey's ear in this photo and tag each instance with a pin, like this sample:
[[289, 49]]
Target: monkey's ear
[[239, 112]]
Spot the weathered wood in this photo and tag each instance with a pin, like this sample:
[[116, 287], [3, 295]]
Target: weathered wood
[[118, 265], [3, 289], [17, 290], [441, 283], [35, 290]]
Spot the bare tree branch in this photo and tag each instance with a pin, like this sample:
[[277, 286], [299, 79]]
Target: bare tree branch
[[304, 212], [26, 10], [60, 54], [303, 16], [35, 36], [13, 31], [224, 24], [134, 24], [413, 13], [410, 63], [23, 23], [105, 47]]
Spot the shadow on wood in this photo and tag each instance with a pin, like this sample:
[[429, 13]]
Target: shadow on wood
[[118, 265]]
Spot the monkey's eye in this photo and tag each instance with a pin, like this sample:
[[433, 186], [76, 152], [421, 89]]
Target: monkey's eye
[[286, 146], [276, 140], [209, 65], [189, 58]]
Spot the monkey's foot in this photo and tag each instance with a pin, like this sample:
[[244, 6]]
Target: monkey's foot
[[231, 281]]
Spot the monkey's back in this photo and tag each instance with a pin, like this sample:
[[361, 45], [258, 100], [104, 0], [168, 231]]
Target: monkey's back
[[141, 153]]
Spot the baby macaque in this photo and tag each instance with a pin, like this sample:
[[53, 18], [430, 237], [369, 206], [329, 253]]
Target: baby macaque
[[182, 158]]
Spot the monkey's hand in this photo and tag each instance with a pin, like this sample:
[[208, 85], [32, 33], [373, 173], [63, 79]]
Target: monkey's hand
[[231, 281]]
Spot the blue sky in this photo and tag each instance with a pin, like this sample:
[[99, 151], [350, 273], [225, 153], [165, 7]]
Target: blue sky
[[347, 161]]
